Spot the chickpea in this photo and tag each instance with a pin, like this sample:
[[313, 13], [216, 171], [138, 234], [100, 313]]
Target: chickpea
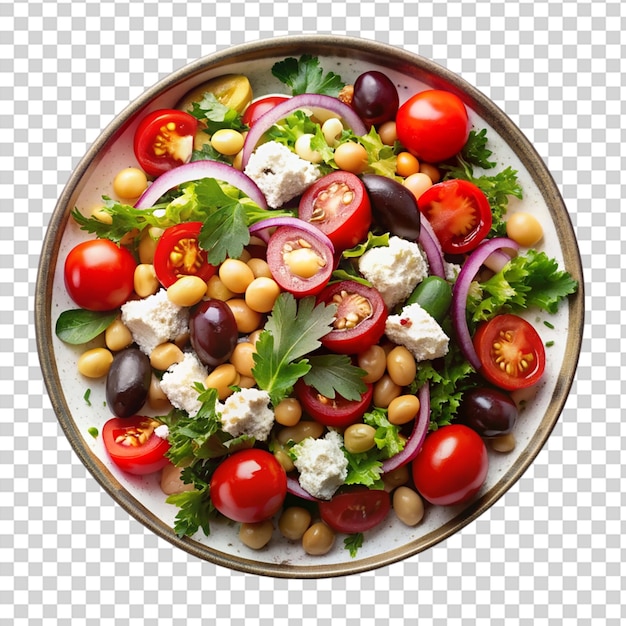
[[332, 129], [302, 430], [293, 522], [171, 481], [503, 443], [130, 183], [235, 275], [432, 171], [217, 289], [288, 412], [259, 267], [222, 378], [261, 294], [247, 319], [359, 438], [318, 539], [385, 390], [187, 291], [95, 363], [246, 382], [403, 409], [408, 506], [304, 151], [227, 141], [303, 262], [351, 157], [253, 337], [145, 280], [242, 358], [524, 228], [395, 478], [156, 396], [164, 355], [406, 164], [256, 535], [148, 243], [117, 336], [387, 133], [102, 216], [374, 362], [418, 183], [401, 366], [284, 459]]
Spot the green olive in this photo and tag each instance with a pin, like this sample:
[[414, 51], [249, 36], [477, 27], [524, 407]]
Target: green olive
[[359, 438]]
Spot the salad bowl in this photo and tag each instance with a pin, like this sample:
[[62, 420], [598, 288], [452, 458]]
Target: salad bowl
[[80, 404]]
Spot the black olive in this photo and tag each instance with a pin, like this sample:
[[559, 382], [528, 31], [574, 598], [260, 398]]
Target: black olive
[[490, 412], [213, 332], [128, 382]]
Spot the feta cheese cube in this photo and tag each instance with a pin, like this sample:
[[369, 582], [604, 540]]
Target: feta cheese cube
[[177, 383], [247, 412], [280, 173], [394, 270], [417, 331], [154, 320], [322, 465]]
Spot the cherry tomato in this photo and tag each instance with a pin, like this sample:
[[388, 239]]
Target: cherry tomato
[[339, 206], [259, 107], [459, 213], [336, 412], [249, 486], [299, 263], [99, 275], [360, 319], [452, 465], [178, 253], [433, 125], [133, 446], [355, 510], [164, 140], [511, 352]]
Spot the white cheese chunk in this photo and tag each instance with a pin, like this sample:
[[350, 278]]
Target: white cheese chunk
[[247, 412], [154, 320], [322, 465], [417, 331], [394, 270], [178, 383], [280, 173]]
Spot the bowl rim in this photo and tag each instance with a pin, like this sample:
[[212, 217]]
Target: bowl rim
[[320, 45]]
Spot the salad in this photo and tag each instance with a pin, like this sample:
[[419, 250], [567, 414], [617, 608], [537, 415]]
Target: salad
[[310, 308]]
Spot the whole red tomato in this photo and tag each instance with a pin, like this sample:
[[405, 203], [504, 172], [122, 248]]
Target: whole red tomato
[[249, 486], [433, 125], [451, 466], [99, 275]]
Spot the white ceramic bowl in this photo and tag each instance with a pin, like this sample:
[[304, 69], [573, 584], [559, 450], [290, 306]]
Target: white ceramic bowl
[[141, 497]]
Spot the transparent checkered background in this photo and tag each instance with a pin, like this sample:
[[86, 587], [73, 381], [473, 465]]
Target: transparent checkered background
[[550, 552]]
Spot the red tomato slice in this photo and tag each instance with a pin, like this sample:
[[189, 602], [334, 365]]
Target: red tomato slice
[[458, 212], [164, 140], [360, 319], [451, 466], [259, 107], [433, 125], [249, 486], [299, 262], [336, 412], [338, 204], [133, 446], [355, 510], [178, 253], [99, 275], [511, 352]]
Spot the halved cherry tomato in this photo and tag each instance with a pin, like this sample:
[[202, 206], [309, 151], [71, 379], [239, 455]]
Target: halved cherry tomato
[[451, 466], [299, 262], [360, 319], [339, 206], [178, 253], [459, 213], [133, 446], [511, 352], [249, 486], [259, 107], [336, 412], [355, 510], [433, 125], [164, 140], [99, 274]]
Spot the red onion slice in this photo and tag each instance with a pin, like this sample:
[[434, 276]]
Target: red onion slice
[[260, 229], [418, 434], [306, 100], [431, 246], [461, 289], [196, 171]]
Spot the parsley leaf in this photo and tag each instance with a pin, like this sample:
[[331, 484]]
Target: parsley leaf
[[306, 76], [216, 115], [292, 331], [353, 542], [333, 374], [195, 511]]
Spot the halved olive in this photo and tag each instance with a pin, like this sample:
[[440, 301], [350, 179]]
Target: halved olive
[[232, 90]]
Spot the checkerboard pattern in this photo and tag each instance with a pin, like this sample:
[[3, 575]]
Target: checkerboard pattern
[[551, 551]]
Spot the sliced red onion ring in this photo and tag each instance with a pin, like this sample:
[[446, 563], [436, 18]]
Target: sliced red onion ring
[[418, 434], [306, 100], [260, 229], [461, 289], [497, 260], [431, 246], [294, 487], [196, 171]]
